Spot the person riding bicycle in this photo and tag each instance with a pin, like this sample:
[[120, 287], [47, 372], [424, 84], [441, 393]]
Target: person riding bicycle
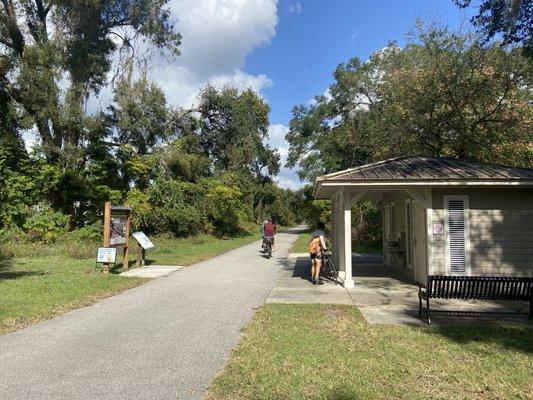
[[269, 231], [317, 245]]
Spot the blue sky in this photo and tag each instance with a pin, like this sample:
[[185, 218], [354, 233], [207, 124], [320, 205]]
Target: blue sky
[[313, 37], [286, 50]]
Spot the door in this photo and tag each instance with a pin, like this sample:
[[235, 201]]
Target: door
[[419, 242]]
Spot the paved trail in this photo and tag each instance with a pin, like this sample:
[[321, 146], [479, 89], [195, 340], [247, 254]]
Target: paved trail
[[166, 339]]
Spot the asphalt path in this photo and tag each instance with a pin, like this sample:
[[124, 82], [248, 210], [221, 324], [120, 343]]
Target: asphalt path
[[166, 339]]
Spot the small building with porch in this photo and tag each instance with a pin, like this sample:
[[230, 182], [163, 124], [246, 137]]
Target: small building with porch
[[440, 216]]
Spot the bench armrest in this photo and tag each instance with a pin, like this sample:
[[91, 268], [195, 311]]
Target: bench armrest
[[422, 290]]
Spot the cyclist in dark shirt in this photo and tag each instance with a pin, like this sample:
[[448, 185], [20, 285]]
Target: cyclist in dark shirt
[[269, 231]]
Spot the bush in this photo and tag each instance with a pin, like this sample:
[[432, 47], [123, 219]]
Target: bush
[[139, 202], [45, 225], [89, 233], [175, 207], [225, 209]]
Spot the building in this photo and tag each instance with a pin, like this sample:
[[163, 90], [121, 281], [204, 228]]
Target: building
[[440, 216]]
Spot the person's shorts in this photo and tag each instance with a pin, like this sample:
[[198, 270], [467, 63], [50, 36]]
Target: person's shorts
[[314, 256], [271, 238]]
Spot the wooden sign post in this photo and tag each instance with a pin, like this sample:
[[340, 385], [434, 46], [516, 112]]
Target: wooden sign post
[[117, 227]]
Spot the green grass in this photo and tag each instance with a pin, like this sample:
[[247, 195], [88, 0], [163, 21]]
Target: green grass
[[42, 281], [302, 245], [330, 352]]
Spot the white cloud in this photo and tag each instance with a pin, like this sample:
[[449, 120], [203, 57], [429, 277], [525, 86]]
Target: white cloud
[[31, 139], [295, 8], [287, 178], [217, 37]]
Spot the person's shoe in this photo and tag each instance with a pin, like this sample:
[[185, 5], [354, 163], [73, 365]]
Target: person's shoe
[[313, 281]]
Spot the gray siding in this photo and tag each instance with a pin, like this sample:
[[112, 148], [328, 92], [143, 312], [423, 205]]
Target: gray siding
[[501, 231]]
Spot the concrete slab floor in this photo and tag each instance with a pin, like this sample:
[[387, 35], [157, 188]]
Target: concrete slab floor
[[383, 297], [152, 271]]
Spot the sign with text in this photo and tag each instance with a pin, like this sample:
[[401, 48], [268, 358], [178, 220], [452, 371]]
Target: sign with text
[[106, 255], [143, 240], [438, 229]]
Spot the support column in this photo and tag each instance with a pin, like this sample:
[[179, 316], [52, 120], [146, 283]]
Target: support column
[[340, 235], [334, 230], [347, 238]]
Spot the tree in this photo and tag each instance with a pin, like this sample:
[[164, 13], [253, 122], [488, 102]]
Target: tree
[[441, 95], [233, 128], [49, 45], [139, 117], [513, 19]]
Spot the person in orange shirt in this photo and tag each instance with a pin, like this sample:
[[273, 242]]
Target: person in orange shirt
[[317, 245]]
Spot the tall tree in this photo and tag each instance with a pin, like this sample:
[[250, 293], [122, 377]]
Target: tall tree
[[47, 46], [513, 19], [441, 95], [233, 128]]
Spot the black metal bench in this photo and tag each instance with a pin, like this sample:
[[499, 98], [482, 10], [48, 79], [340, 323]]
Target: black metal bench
[[474, 287]]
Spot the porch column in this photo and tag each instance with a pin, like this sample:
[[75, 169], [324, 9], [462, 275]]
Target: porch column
[[334, 229], [346, 242]]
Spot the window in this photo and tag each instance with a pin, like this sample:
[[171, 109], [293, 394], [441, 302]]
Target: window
[[457, 235]]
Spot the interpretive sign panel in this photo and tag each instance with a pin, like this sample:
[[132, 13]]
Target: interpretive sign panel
[[143, 240], [106, 255]]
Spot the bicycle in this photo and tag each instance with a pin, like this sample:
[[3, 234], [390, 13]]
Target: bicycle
[[328, 269], [267, 247]]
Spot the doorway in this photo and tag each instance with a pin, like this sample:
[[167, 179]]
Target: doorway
[[415, 239]]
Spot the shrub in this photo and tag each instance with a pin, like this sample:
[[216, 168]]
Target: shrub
[[89, 233], [45, 225], [139, 202], [175, 207], [225, 209]]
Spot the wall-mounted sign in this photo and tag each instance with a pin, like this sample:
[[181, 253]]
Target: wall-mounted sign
[[438, 229], [143, 240], [106, 255]]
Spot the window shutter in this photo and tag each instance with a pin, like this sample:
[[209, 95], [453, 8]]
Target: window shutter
[[457, 237]]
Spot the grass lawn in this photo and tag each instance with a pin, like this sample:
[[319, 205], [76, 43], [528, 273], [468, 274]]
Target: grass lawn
[[43, 281], [302, 245], [329, 352]]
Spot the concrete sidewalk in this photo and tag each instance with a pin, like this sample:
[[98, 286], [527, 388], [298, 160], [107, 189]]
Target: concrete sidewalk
[[166, 339]]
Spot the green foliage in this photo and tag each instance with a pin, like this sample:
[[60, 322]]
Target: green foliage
[[233, 128], [88, 234], [224, 208], [512, 19], [442, 94], [173, 208], [46, 225]]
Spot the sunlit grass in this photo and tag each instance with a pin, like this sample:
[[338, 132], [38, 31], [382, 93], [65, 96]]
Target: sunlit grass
[[40, 281], [330, 352]]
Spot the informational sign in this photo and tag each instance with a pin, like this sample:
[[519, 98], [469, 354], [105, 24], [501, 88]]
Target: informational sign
[[143, 240], [438, 229], [118, 229], [106, 255]]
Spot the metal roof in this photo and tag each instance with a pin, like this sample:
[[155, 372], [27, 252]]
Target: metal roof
[[428, 169]]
